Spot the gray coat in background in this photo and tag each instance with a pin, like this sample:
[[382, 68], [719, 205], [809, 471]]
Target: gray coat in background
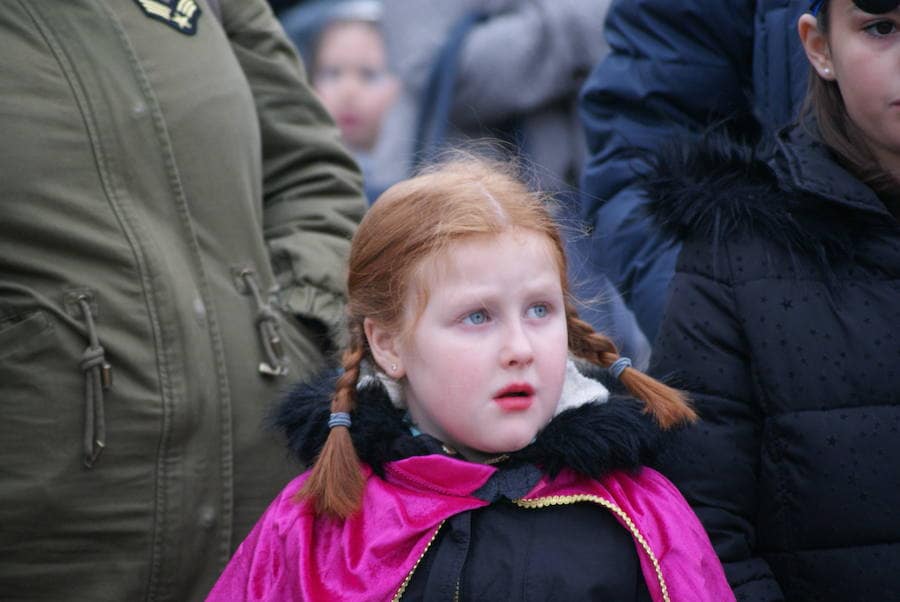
[[526, 60], [175, 209]]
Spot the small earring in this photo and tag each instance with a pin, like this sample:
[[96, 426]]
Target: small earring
[[826, 71], [393, 368]]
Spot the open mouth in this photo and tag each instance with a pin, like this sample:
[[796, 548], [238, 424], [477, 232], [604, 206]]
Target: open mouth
[[517, 396], [516, 390]]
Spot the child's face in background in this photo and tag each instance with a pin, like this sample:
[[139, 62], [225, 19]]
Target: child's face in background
[[485, 361], [863, 55], [351, 78]]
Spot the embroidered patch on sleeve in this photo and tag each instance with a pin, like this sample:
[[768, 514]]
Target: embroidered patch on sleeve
[[180, 15]]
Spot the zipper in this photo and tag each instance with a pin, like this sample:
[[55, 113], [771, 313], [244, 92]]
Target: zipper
[[565, 500], [408, 578]]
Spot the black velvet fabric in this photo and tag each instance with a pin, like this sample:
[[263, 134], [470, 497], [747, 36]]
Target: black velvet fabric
[[504, 552]]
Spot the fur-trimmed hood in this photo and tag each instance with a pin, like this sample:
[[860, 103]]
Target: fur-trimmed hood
[[794, 193], [592, 439]]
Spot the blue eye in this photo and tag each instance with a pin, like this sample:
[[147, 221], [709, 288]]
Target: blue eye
[[540, 310], [476, 317]]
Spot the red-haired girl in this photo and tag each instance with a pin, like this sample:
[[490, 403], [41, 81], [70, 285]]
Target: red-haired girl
[[461, 455]]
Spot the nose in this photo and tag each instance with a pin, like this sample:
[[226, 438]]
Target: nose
[[346, 87], [352, 84], [517, 349]]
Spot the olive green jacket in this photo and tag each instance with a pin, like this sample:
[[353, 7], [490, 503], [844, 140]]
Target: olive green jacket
[[175, 210]]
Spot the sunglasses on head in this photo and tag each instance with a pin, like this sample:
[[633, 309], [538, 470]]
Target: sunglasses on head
[[873, 7]]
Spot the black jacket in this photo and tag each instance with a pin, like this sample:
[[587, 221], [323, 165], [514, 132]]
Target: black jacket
[[784, 325], [503, 552], [675, 65]]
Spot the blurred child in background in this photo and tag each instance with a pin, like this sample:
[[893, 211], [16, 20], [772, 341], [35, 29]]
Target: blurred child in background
[[350, 74]]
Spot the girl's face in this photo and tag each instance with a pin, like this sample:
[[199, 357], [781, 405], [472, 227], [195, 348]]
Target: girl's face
[[484, 361], [352, 80], [862, 54]]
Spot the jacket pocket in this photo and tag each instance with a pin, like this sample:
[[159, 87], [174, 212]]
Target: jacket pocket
[[306, 346], [39, 392], [274, 360], [25, 333]]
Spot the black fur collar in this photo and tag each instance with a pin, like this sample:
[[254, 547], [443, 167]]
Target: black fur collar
[[593, 439], [714, 188]]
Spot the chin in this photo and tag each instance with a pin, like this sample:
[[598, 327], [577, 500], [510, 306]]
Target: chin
[[514, 442]]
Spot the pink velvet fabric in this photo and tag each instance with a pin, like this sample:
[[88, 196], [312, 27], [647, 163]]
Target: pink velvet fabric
[[292, 554]]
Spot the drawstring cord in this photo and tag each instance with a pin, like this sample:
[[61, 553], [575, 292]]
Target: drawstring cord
[[267, 326], [97, 378], [97, 371]]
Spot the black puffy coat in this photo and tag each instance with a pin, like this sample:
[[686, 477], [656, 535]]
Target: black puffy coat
[[784, 325], [675, 65]]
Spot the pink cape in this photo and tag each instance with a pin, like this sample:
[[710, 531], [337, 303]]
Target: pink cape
[[292, 554]]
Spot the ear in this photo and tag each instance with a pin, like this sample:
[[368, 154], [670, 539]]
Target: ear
[[385, 346], [816, 46]]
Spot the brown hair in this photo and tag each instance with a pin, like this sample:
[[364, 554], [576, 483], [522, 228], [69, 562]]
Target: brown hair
[[835, 128], [410, 223]]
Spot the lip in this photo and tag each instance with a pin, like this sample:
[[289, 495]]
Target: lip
[[515, 397]]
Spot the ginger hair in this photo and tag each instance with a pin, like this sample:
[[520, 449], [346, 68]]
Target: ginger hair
[[415, 221]]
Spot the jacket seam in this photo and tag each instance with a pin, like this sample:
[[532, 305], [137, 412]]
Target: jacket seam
[[734, 283], [759, 399], [831, 409], [101, 157], [810, 550], [180, 203], [756, 396]]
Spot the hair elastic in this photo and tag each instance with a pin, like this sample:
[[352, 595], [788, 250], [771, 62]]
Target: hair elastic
[[339, 419], [617, 367]]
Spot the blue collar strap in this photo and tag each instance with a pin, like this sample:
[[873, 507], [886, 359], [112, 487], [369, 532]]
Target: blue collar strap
[[873, 7]]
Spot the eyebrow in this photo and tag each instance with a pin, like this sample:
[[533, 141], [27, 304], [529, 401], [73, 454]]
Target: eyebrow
[[535, 287]]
